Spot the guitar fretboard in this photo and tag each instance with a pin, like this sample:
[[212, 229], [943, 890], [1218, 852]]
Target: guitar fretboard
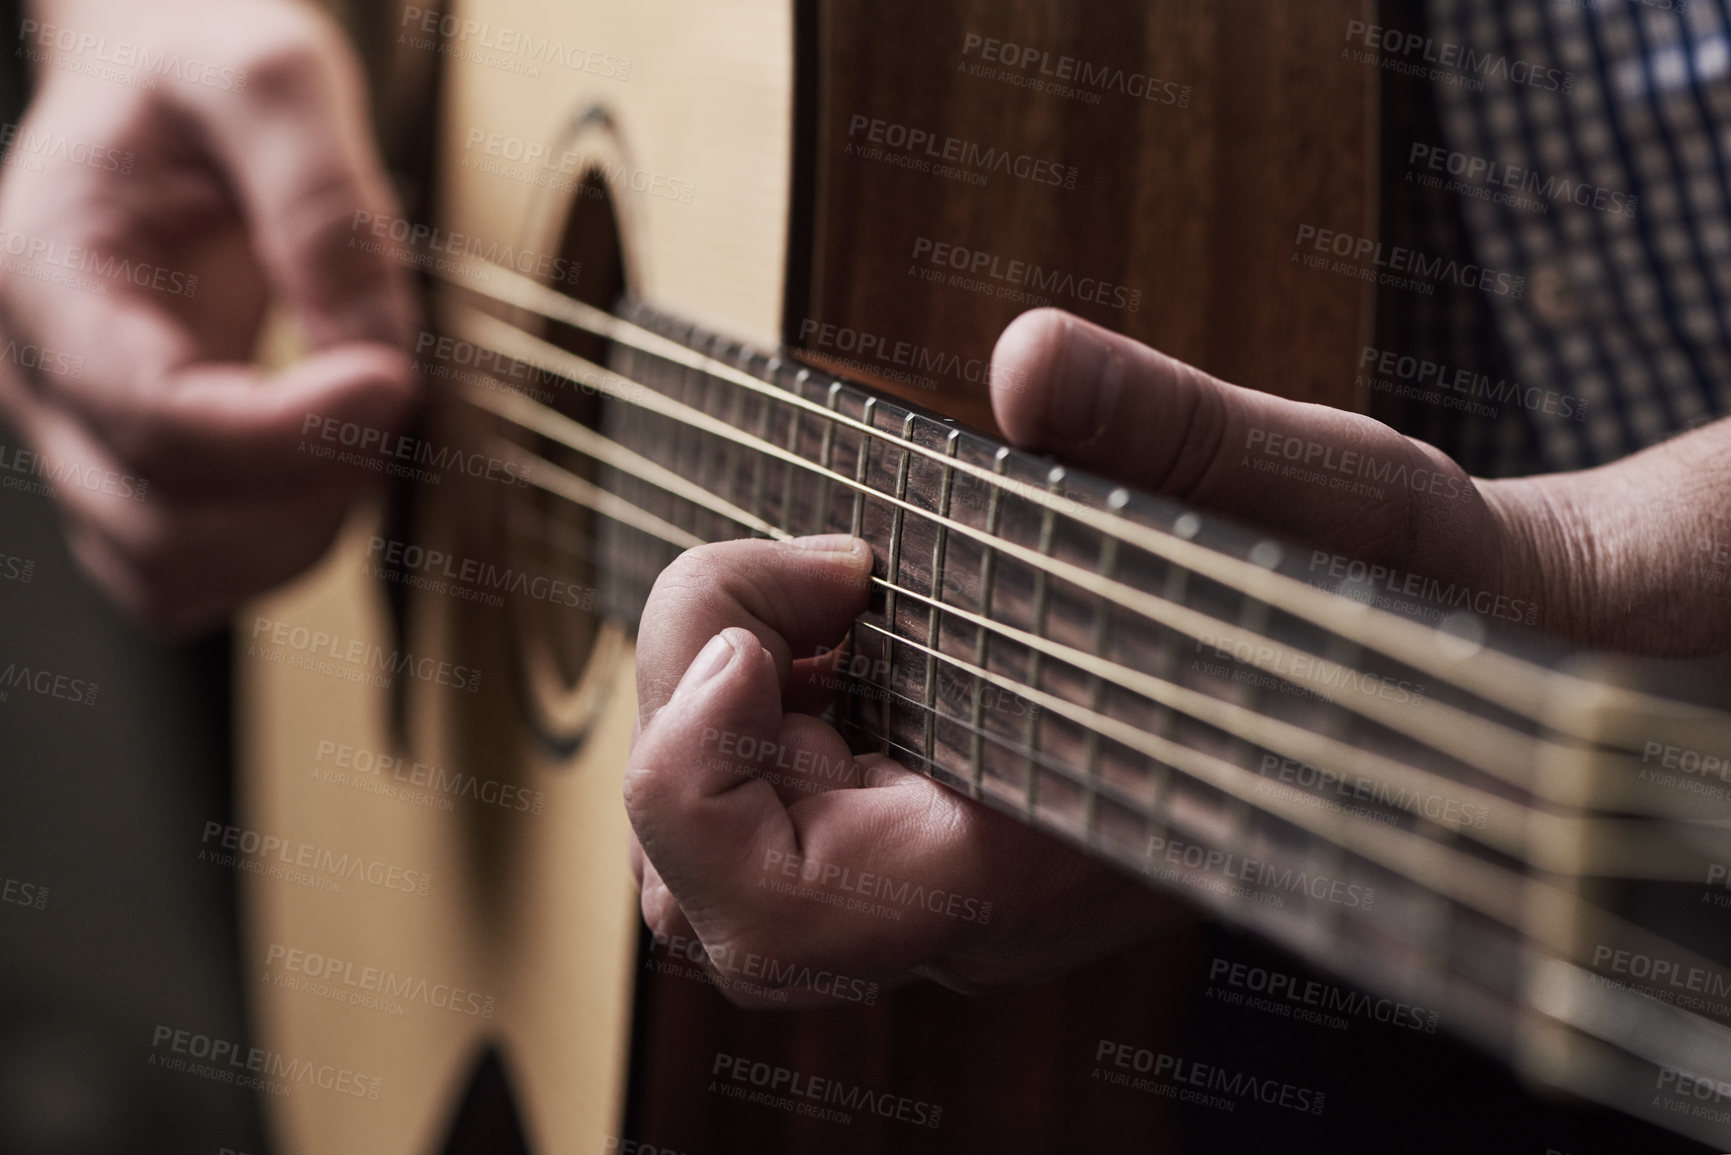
[[1383, 785]]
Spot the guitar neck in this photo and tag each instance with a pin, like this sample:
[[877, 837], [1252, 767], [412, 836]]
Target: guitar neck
[[1378, 783]]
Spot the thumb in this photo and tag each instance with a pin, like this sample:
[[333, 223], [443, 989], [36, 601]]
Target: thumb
[[298, 150], [1104, 402]]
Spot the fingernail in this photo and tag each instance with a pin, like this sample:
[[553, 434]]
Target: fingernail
[[1083, 400], [838, 543], [710, 661]]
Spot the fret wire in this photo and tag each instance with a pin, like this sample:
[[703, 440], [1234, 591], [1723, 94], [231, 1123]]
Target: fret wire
[[1166, 662], [1106, 564], [893, 567], [1042, 594], [1541, 693], [982, 638], [1253, 617], [1483, 742], [795, 426], [731, 402], [759, 463], [934, 618], [862, 468], [1334, 861], [760, 478], [731, 480], [702, 437], [827, 459]]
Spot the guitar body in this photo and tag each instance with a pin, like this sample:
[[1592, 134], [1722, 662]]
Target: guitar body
[[745, 165]]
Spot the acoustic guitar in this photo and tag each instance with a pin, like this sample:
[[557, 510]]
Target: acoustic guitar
[[702, 269]]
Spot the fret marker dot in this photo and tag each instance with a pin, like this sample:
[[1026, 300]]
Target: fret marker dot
[[1187, 526], [1265, 554]]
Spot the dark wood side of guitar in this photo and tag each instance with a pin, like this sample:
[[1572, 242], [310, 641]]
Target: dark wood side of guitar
[[1194, 205]]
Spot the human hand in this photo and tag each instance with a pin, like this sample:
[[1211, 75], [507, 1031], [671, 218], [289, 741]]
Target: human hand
[[138, 250]]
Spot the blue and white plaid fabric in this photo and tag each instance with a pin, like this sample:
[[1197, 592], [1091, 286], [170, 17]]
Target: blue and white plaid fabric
[[1620, 217]]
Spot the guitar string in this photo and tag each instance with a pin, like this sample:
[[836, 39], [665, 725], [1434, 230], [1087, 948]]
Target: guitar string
[[1537, 838], [1549, 696]]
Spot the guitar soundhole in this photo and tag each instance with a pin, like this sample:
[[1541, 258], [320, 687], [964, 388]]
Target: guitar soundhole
[[557, 630]]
